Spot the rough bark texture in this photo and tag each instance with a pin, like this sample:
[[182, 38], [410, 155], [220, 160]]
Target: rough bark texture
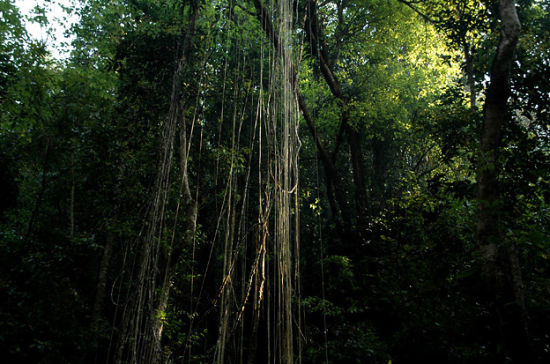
[[500, 265]]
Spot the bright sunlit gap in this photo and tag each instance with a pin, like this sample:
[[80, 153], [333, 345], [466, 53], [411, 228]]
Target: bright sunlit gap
[[58, 22]]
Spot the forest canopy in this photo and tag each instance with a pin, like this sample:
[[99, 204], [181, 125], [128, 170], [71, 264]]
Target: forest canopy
[[276, 181]]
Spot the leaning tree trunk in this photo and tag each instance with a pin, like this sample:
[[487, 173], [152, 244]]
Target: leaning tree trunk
[[173, 254], [319, 49], [141, 324], [500, 265]]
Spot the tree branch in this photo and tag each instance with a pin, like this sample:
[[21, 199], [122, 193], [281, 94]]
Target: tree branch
[[416, 10]]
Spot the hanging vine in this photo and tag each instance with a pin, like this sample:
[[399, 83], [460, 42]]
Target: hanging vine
[[272, 283], [141, 321]]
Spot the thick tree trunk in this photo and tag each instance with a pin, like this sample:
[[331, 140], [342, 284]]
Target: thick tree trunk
[[500, 264], [488, 229]]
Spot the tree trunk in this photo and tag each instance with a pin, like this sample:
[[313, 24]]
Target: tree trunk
[[470, 74], [102, 278], [316, 39], [488, 228], [379, 174], [358, 171], [174, 252], [40, 195], [500, 264], [71, 204]]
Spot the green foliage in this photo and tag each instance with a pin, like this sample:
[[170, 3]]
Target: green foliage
[[80, 150]]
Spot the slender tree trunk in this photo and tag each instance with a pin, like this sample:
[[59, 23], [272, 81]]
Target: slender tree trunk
[[102, 278], [316, 39], [500, 264], [41, 192], [71, 207], [142, 320], [189, 208], [379, 169], [335, 193], [358, 171], [470, 74]]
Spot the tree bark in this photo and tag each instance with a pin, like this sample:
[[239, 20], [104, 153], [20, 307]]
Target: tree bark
[[102, 278], [500, 264], [470, 74], [488, 228]]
